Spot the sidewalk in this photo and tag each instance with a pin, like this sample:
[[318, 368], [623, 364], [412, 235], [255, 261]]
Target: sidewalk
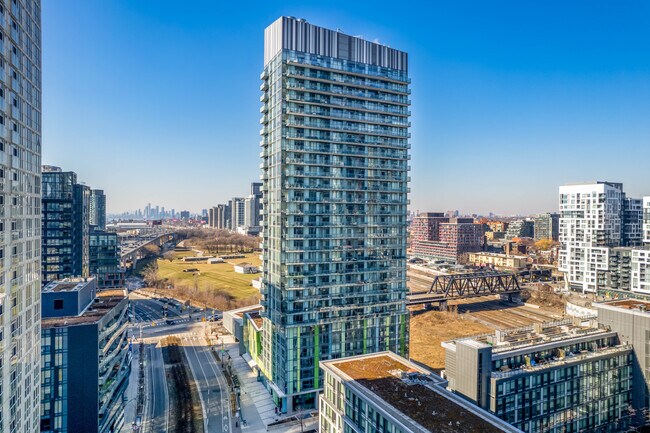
[[257, 407], [131, 392]]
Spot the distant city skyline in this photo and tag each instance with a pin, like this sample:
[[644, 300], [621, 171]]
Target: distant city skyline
[[509, 100]]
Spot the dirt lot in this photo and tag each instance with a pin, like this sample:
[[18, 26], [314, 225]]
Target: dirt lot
[[468, 317], [430, 328]]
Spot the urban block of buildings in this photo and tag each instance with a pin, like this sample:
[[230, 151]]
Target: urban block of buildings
[[241, 214], [602, 241], [85, 355], [73, 241], [568, 376], [437, 237]]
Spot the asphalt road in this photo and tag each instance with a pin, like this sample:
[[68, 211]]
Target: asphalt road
[[158, 394], [207, 373], [149, 310], [215, 398]]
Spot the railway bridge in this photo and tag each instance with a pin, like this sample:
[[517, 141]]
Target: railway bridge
[[460, 286]]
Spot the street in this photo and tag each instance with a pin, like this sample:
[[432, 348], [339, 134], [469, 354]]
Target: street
[[215, 397], [152, 324]]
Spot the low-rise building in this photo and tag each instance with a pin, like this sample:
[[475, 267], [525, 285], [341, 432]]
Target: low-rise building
[[246, 268], [385, 392], [568, 376], [86, 359], [499, 261], [245, 324]]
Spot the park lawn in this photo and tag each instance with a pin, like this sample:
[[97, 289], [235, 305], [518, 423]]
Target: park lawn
[[221, 276]]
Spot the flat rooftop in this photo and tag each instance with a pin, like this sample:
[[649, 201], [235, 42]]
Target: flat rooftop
[[239, 312], [628, 304], [414, 396], [66, 285], [256, 318], [533, 335], [105, 301]]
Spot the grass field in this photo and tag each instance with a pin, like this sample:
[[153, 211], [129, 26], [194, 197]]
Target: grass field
[[216, 277]]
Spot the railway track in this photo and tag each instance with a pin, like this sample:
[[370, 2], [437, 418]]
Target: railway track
[[499, 314]]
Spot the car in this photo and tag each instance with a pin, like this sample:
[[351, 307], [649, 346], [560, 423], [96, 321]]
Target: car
[[169, 322]]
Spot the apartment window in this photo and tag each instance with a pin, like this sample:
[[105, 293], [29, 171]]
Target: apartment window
[[58, 304]]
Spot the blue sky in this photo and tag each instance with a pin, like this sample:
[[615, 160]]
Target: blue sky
[[158, 100]]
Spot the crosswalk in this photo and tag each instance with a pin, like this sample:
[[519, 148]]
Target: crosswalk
[[163, 322]]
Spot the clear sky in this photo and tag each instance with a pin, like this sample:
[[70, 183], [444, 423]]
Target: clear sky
[[158, 100]]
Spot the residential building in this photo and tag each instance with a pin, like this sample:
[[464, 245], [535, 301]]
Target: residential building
[[104, 262], [20, 214], [632, 230], [499, 261], [590, 224], [86, 358], [595, 219], [388, 393], [567, 376], [497, 226], [97, 205], [520, 229], [218, 216], [237, 212], [619, 270], [646, 221], [547, 226], [65, 225], [630, 318], [335, 184], [185, 215], [641, 270], [434, 236]]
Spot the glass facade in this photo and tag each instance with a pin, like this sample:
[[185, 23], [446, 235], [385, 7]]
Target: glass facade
[[97, 206], [105, 259], [591, 396], [20, 214], [65, 226], [85, 366], [335, 184]]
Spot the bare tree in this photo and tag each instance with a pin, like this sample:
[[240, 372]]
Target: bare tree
[[150, 275]]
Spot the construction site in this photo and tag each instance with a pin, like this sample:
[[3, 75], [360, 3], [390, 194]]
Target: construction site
[[446, 307]]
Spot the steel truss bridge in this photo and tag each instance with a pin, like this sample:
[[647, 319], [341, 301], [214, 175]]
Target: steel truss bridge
[[459, 286]]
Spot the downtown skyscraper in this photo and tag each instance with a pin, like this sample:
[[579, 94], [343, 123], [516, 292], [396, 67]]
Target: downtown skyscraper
[[335, 151], [20, 215]]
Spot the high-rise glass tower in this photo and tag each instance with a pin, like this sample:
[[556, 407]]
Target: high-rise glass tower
[[20, 215], [335, 150], [97, 216], [65, 223]]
